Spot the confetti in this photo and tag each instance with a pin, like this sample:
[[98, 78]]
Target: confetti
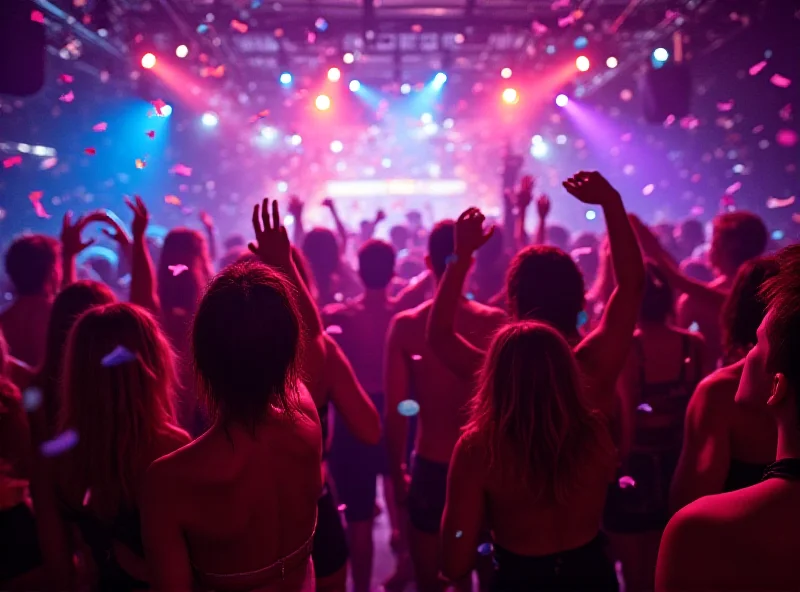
[[60, 444], [416, 357], [90, 151], [690, 122], [31, 399], [645, 408], [625, 482], [773, 203], [239, 26], [733, 188], [757, 67], [173, 200], [459, 534], [177, 269], [786, 137], [36, 200], [342, 507], [726, 106], [333, 330], [786, 112], [87, 497], [12, 161], [100, 127], [159, 105], [67, 97], [151, 134], [140, 164], [485, 549], [408, 408], [583, 318], [48, 163], [217, 72], [119, 355], [669, 120], [338, 297], [66, 78], [37, 16], [259, 115], [648, 189], [780, 81], [181, 169], [694, 327]]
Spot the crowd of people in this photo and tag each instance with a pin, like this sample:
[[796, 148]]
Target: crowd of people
[[551, 412]]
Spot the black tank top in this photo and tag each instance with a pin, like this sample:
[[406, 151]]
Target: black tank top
[[743, 474]]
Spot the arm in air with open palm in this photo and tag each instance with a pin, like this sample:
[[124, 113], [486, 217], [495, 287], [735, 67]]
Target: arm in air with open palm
[[452, 349], [143, 282]]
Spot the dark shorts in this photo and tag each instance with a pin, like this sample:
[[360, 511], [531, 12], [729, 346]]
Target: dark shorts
[[586, 568], [330, 544], [355, 467], [19, 543], [426, 495]]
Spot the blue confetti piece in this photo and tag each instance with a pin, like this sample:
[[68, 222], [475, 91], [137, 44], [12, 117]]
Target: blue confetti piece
[[470, 296], [120, 355], [60, 444], [485, 549], [452, 258], [459, 534], [202, 28], [255, 4], [408, 408], [583, 318], [31, 399]]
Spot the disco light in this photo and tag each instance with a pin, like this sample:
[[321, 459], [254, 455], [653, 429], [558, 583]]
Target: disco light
[[405, 88], [355, 86], [661, 55], [209, 119], [510, 96], [439, 80], [539, 150], [286, 78], [283, 186], [591, 214], [334, 74], [612, 62], [348, 58], [582, 63], [296, 140], [505, 73], [562, 100], [336, 146], [166, 110], [181, 51], [323, 102], [148, 61], [269, 133]]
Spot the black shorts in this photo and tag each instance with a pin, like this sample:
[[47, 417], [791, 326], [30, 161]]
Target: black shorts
[[355, 467], [330, 544], [426, 495], [19, 543]]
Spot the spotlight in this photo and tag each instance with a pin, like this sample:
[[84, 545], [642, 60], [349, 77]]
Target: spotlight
[[405, 88], [336, 146], [591, 214], [537, 139], [661, 55], [348, 58], [283, 186], [323, 102], [166, 110], [209, 119], [562, 100], [286, 78], [269, 133], [582, 63], [181, 51], [148, 61], [334, 74], [426, 118], [355, 85], [539, 150], [439, 80], [386, 162], [612, 62], [505, 73], [296, 140], [510, 96]]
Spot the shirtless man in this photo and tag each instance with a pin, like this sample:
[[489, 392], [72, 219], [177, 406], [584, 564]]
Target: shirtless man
[[748, 539], [360, 328], [412, 371]]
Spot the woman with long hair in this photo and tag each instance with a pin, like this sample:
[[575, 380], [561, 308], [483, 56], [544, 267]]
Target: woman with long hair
[[117, 418]]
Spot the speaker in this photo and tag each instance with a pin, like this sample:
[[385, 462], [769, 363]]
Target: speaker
[[667, 91], [22, 47]]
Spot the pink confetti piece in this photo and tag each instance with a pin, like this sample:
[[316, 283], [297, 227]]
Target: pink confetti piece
[[151, 134], [538, 28], [626, 482], [87, 497], [239, 26], [48, 163], [159, 105], [333, 330], [217, 72], [36, 195], [67, 97], [177, 269], [786, 112], [669, 120], [172, 200], [566, 21], [181, 169], [37, 16], [66, 78], [648, 189], [416, 357], [780, 81], [557, 4], [690, 122], [725, 106], [757, 67], [773, 203], [342, 507], [40, 211], [758, 129], [786, 137], [140, 164], [733, 188], [697, 211], [90, 151], [259, 115], [60, 444], [100, 127], [12, 161], [796, 218]]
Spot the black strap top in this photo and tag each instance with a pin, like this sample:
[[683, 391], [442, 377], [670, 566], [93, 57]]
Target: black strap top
[[786, 468]]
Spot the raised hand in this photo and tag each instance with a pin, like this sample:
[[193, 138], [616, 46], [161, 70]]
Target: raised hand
[[141, 217], [118, 233], [543, 206], [380, 216], [525, 193], [272, 242], [295, 207], [328, 203], [469, 235], [591, 188], [206, 220], [71, 242]]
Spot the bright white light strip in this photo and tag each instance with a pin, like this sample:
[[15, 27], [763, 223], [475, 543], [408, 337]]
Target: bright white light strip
[[396, 187]]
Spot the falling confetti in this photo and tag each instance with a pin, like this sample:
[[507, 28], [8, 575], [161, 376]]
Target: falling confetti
[[140, 164], [87, 497], [757, 68], [12, 161], [342, 507], [773, 203], [100, 127], [625, 482], [36, 199], [119, 355], [694, 327], [67, 97], [60, 444], [333, 330], [726, 106], [181, 169], [733, 188], [485, 549], [172, 200], [151, 134], [90, 151], [645, 408], [416, 357], [159, 105], [177, 269], [459, 534], [31, 399], [239, 26], [48, 163], [780, 81], [786, 137], [408, 408], [648, 189], [37, 16], [786, 112], [259, 115], [338, 297], [583, 318]]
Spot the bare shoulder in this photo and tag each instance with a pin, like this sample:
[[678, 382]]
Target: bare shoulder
[[490, 313], [718, 389], [470, 451], [411, 318]]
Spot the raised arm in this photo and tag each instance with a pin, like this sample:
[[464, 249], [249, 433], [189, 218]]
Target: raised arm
[[298, 230], [463, 358], [543, 209], [143, 278], [343, 234], [524, 199], [72, 244], [604, 351], [208, 225]]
